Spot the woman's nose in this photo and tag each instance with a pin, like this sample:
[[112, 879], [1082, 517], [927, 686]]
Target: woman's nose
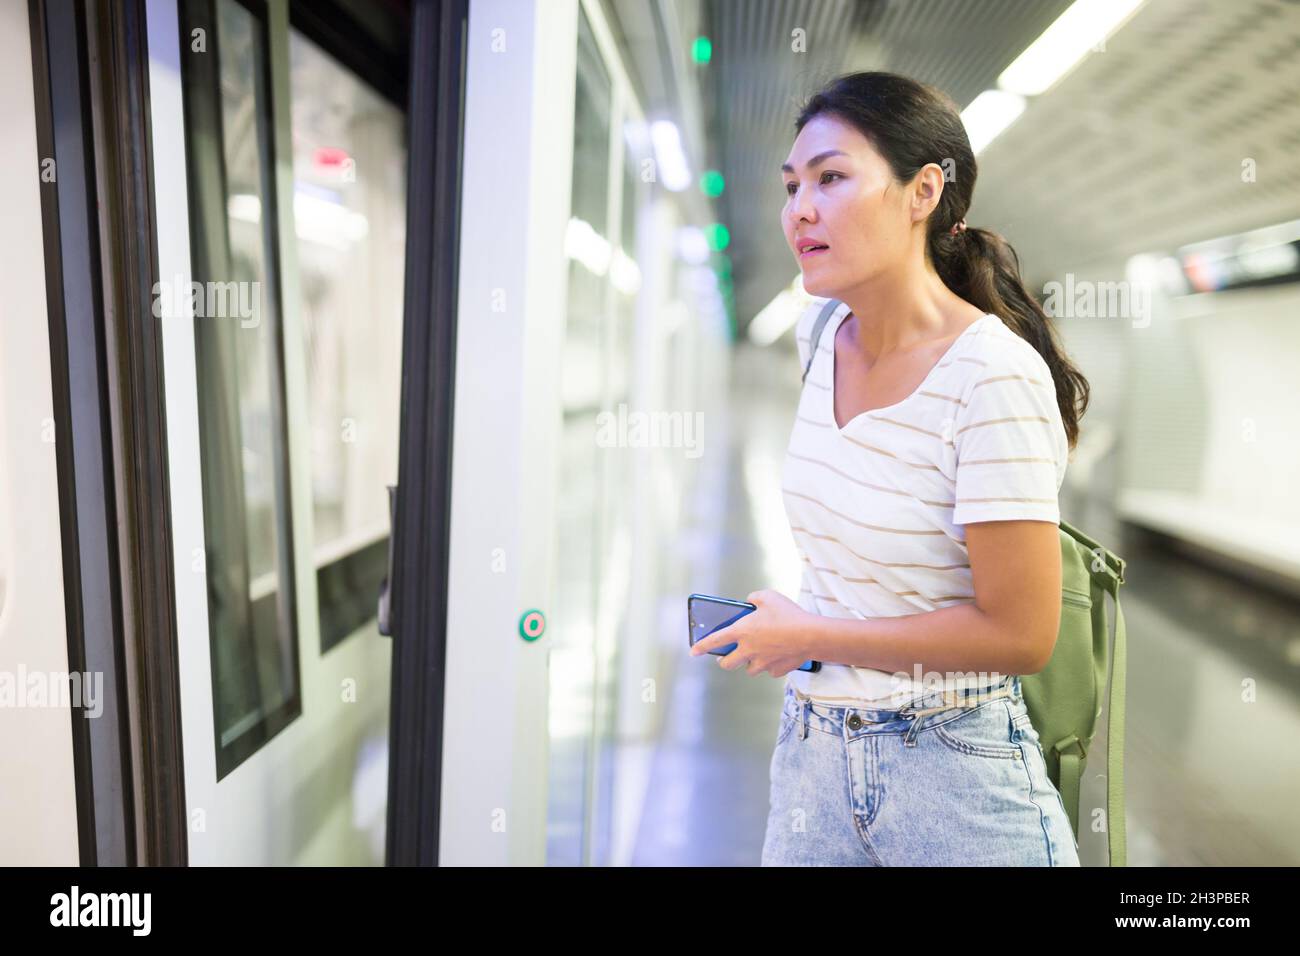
[[801, 207]]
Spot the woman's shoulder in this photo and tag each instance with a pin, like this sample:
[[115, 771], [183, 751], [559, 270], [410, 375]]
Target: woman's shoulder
[[996, 349], [1007, 397], [999, 374]]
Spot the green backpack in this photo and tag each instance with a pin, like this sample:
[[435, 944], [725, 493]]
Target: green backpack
[[1064, 699]]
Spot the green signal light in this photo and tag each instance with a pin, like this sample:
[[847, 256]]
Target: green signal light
[[702, 50], [712, 184], [718, 236]]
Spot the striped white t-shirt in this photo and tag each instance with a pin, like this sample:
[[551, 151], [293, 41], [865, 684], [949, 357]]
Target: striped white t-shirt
[[877, 508]]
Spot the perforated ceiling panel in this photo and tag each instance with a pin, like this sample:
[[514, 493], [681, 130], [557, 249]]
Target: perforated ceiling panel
[[1142, 146]]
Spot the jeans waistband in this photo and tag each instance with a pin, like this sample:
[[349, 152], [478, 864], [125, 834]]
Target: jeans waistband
[[932, 701], [912, 711]]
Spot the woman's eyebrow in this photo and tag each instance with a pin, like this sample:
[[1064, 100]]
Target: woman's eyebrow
[[819, 158]]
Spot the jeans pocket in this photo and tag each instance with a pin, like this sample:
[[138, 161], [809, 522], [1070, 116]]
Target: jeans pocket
[[983, 731]]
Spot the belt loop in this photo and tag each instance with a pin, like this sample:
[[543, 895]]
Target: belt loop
[[803, 718], [909, 738]]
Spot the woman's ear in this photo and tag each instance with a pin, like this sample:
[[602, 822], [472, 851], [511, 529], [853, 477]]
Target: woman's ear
[[926, 190]]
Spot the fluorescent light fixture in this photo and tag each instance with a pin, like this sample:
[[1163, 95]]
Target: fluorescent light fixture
[[692, 245], [780, 314], [1229, 262], [1157, 271], [624, 273], [1270, 261], [1263, 237], [245, 207], [316, 218], [989, 114], [1082, 27], [777, 316], [636, 137], [701, 280], [584, 244], [329, 223], [674, 172]]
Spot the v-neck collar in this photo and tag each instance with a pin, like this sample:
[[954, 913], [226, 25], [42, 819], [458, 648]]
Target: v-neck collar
[[942, 360]]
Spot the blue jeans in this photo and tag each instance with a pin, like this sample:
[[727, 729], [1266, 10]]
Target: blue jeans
[[943, 780]]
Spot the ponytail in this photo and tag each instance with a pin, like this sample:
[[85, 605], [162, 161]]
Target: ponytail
[[983, 268]]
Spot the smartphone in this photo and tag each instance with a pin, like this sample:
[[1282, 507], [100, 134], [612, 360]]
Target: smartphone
[[706, 614]]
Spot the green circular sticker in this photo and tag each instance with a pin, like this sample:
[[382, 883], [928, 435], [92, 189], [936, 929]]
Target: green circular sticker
[[531, 625]]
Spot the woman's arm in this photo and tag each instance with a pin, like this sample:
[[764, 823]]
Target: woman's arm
[[1010, 628]]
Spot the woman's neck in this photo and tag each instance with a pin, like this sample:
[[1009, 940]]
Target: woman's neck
[[898, 311]]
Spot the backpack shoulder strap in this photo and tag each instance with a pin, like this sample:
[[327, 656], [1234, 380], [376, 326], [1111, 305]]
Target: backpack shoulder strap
[[823, 317], [1115, 816], [1108, 574]]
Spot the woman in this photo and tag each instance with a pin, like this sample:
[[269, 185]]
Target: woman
[[921, 485]]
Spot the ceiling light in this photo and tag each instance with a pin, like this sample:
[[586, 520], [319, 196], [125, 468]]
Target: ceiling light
[[1082, 27], [989, 114]]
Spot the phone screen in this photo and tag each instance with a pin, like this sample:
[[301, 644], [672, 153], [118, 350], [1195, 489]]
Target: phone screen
[[707, 614]]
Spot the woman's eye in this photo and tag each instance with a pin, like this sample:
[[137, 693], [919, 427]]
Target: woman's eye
[[792, 186]]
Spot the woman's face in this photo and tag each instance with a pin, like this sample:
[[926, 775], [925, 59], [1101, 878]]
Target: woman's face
[[841, 194]]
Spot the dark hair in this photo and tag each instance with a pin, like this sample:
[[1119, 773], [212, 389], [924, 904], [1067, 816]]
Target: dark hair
[[912, 124]]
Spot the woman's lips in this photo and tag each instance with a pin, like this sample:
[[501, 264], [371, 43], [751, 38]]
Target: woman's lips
[[812, 252]]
